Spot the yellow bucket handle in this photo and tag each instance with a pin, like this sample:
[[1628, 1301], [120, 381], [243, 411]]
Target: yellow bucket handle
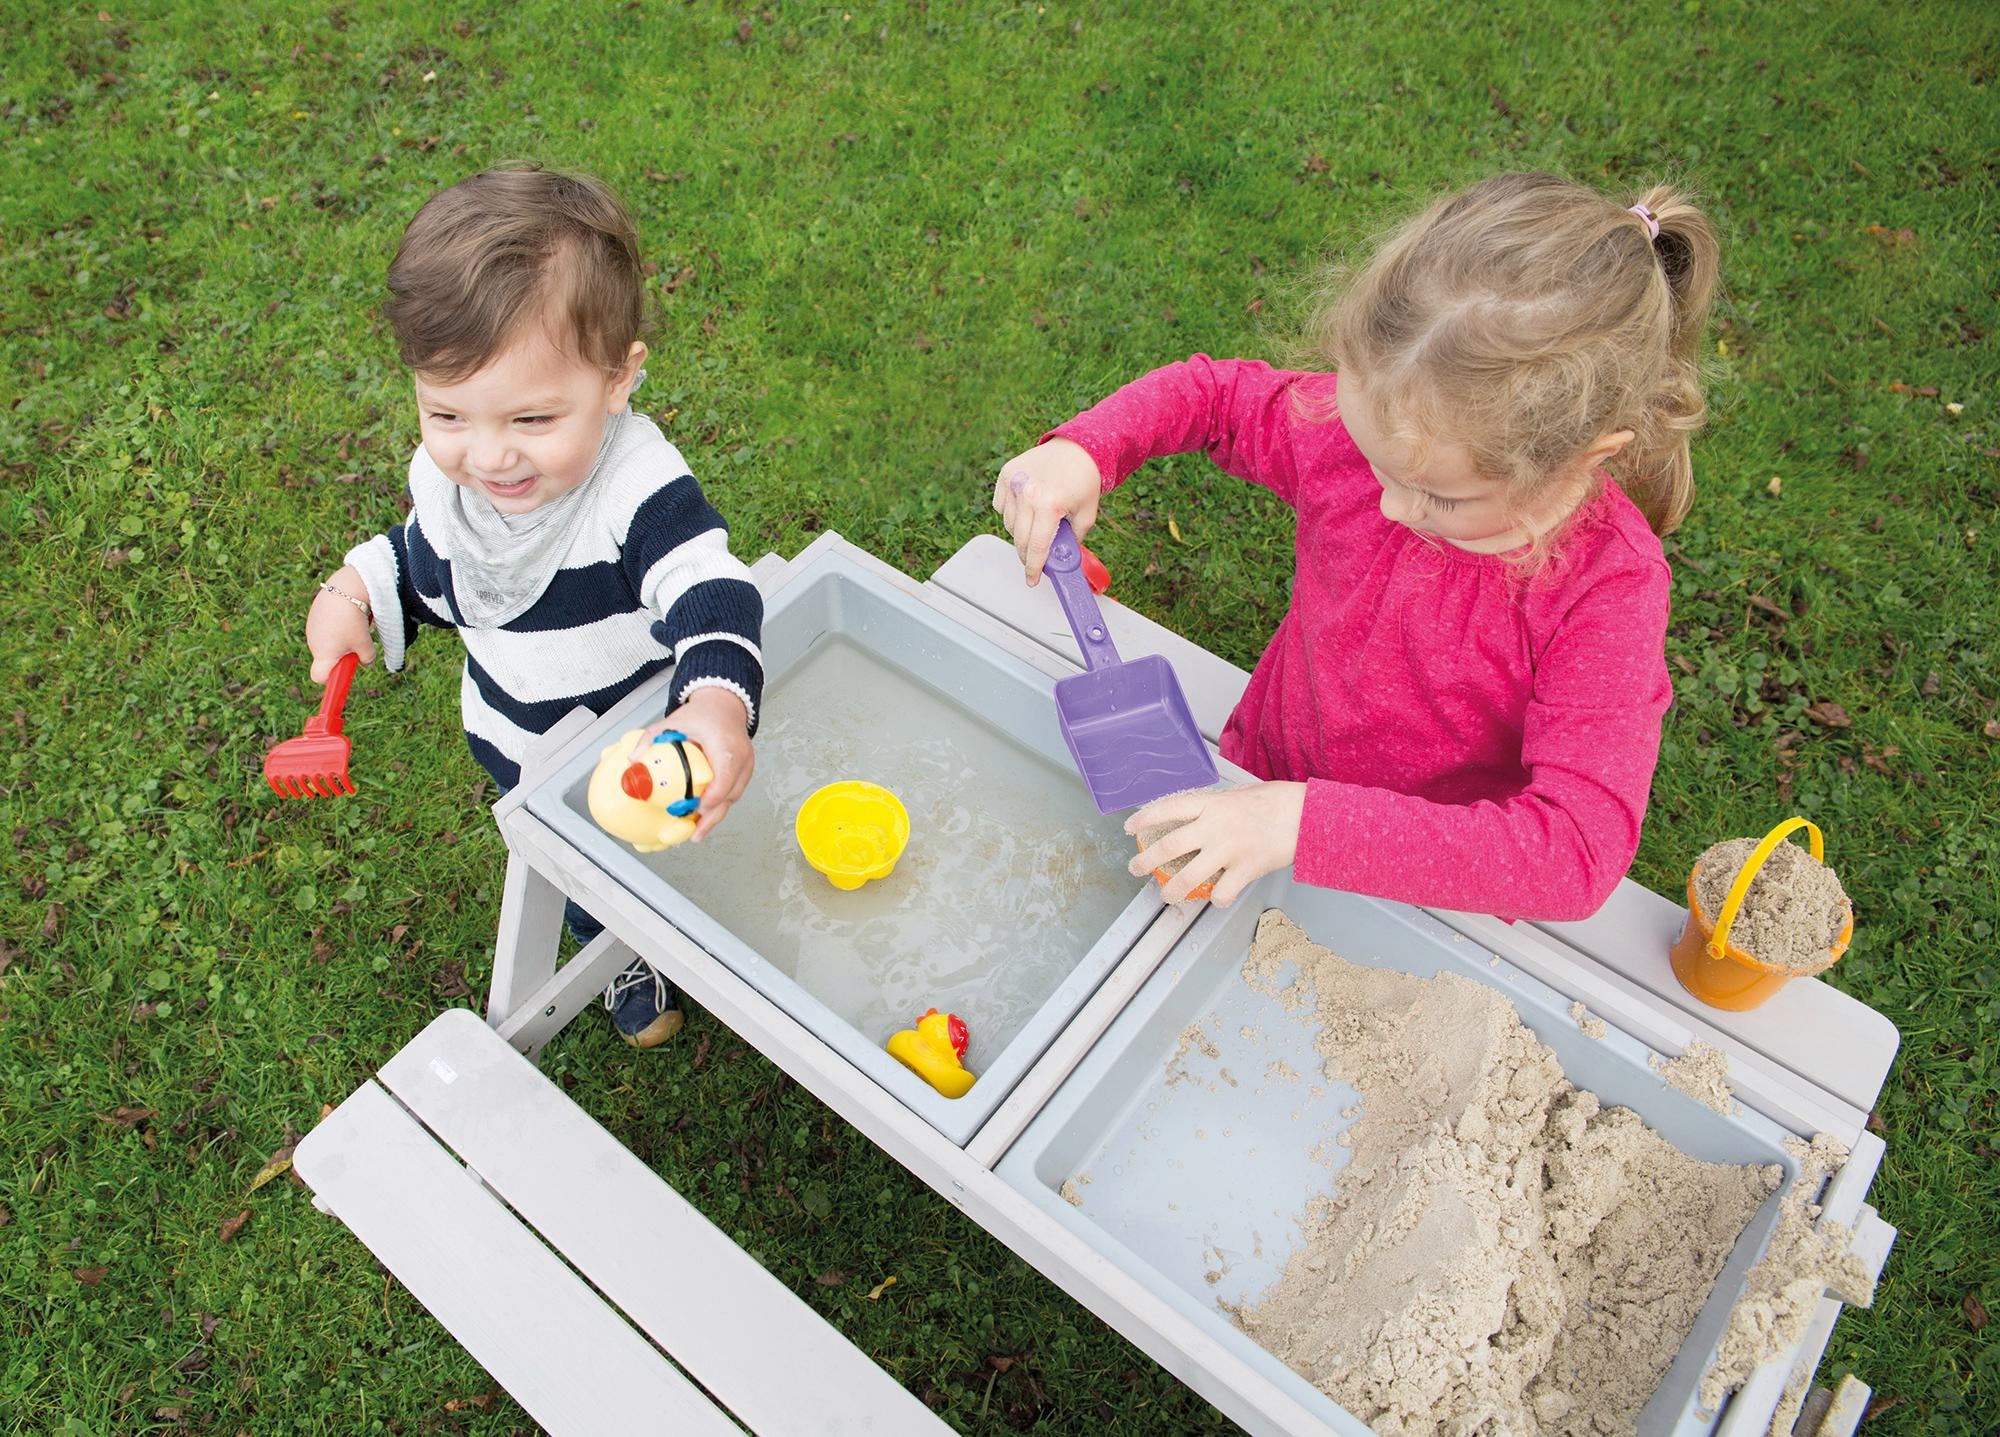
[[1718, 941]]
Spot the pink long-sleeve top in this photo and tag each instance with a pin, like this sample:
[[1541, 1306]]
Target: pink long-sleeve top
[[1468, 738]]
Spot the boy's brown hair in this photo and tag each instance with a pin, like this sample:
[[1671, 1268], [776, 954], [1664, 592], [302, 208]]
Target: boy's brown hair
[[510, 248]]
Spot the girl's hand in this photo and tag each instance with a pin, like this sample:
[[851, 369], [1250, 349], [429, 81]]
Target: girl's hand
[[1038, 489], [716, 719], [335, 628], [1237, 835]]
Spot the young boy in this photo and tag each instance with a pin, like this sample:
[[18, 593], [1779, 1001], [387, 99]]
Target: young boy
[[555, 529]]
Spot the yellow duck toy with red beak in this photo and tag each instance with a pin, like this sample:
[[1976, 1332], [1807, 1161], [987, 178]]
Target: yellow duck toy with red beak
[[650, 801], [933, 1051]]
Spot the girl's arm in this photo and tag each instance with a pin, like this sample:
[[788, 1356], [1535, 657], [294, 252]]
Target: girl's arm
[[337, 623], [710, 613], [1241, 412], [1555, 850]]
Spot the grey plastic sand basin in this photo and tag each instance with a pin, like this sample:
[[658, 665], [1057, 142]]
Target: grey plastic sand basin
[[1202, 1163], [1012, 900]]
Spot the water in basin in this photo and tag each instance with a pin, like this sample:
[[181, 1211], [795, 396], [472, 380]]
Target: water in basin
[[1010, 876]]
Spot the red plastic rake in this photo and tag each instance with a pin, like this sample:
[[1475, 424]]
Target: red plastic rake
[[314, 765]]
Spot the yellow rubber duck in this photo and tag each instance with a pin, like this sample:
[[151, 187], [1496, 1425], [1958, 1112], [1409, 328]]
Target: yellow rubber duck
[[650, 803], [933, 1050]]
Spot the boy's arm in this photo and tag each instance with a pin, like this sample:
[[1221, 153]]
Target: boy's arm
[[707, 608], [1557, 849], [405, 587], [1239, 411]]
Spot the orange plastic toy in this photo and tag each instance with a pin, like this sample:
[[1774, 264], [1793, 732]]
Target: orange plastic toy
[[1716, 970], [1200, 893], [934, 1050]]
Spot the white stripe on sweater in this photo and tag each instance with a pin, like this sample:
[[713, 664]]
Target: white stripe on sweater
[[719, 636], [706, 556], [557, 663], [719, 683], [483, 721]]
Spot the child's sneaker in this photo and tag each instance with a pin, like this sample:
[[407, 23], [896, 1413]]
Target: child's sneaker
[[642, 1005]]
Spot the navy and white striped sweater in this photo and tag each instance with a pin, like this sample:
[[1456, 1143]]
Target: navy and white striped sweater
[[648, 581]]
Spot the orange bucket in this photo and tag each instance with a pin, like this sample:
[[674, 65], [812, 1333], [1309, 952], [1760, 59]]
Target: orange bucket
[[1716, 970]]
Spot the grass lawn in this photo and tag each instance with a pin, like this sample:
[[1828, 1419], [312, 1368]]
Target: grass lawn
[[893, 245]]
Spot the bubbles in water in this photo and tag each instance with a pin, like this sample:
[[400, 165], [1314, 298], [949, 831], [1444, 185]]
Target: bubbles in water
[[1011, 874]]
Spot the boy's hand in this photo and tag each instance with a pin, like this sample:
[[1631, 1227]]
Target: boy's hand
[[1037, 489], [1237, 835], [716, 719], [335, 628]]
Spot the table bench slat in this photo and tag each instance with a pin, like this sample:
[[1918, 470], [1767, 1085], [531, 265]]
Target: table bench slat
[[528, 1320], [730, 1323]]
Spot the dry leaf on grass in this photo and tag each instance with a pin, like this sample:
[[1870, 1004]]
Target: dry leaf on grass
[[1878, 1404], [881, 1287], [277, 1165], [1828, 714]]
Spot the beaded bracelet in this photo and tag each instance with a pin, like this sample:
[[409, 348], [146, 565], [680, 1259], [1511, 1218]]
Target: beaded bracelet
[[339, 593]]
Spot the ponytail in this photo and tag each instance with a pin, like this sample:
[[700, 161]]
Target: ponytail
[[1657, 469]]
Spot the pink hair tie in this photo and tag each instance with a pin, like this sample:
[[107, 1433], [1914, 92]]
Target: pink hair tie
[[1652, 225]]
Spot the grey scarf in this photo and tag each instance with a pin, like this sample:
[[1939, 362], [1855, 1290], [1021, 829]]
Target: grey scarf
[[502, 563]]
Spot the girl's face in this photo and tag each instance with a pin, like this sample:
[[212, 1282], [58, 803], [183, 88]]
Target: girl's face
[[525, 429], [1443, 495]]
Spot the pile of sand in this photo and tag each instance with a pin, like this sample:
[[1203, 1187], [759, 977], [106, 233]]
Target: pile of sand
[[1805, 1259], [1793, 911], [1702, 1072], [1502, 1254]]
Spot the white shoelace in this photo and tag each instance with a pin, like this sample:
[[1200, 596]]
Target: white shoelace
[[638, 973]]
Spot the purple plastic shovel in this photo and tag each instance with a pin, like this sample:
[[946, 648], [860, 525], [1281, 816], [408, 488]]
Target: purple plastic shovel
[[1127, 723]]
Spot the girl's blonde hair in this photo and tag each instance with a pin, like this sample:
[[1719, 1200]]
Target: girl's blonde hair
[[1526, 316]]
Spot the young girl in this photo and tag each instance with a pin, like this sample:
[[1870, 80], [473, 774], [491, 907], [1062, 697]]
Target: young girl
[[555, 529], [1462, 707]]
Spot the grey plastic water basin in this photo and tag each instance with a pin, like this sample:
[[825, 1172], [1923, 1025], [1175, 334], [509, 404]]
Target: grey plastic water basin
[[1009, 907]]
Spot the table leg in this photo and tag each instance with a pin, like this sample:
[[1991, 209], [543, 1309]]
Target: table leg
[[531, 905], [524, 955]]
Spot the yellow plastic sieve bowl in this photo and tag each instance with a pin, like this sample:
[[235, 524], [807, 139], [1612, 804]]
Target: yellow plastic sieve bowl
[[853, 832]]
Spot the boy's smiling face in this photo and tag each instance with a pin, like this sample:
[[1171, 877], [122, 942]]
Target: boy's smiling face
[[525, 429]]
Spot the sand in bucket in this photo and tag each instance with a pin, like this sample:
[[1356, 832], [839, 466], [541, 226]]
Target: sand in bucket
[[1793, 919]]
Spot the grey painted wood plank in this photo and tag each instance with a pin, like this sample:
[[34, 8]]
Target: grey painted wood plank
[[532, 1323], [1834, 1041], [575, 986], [530, 933], [746, 1337]]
